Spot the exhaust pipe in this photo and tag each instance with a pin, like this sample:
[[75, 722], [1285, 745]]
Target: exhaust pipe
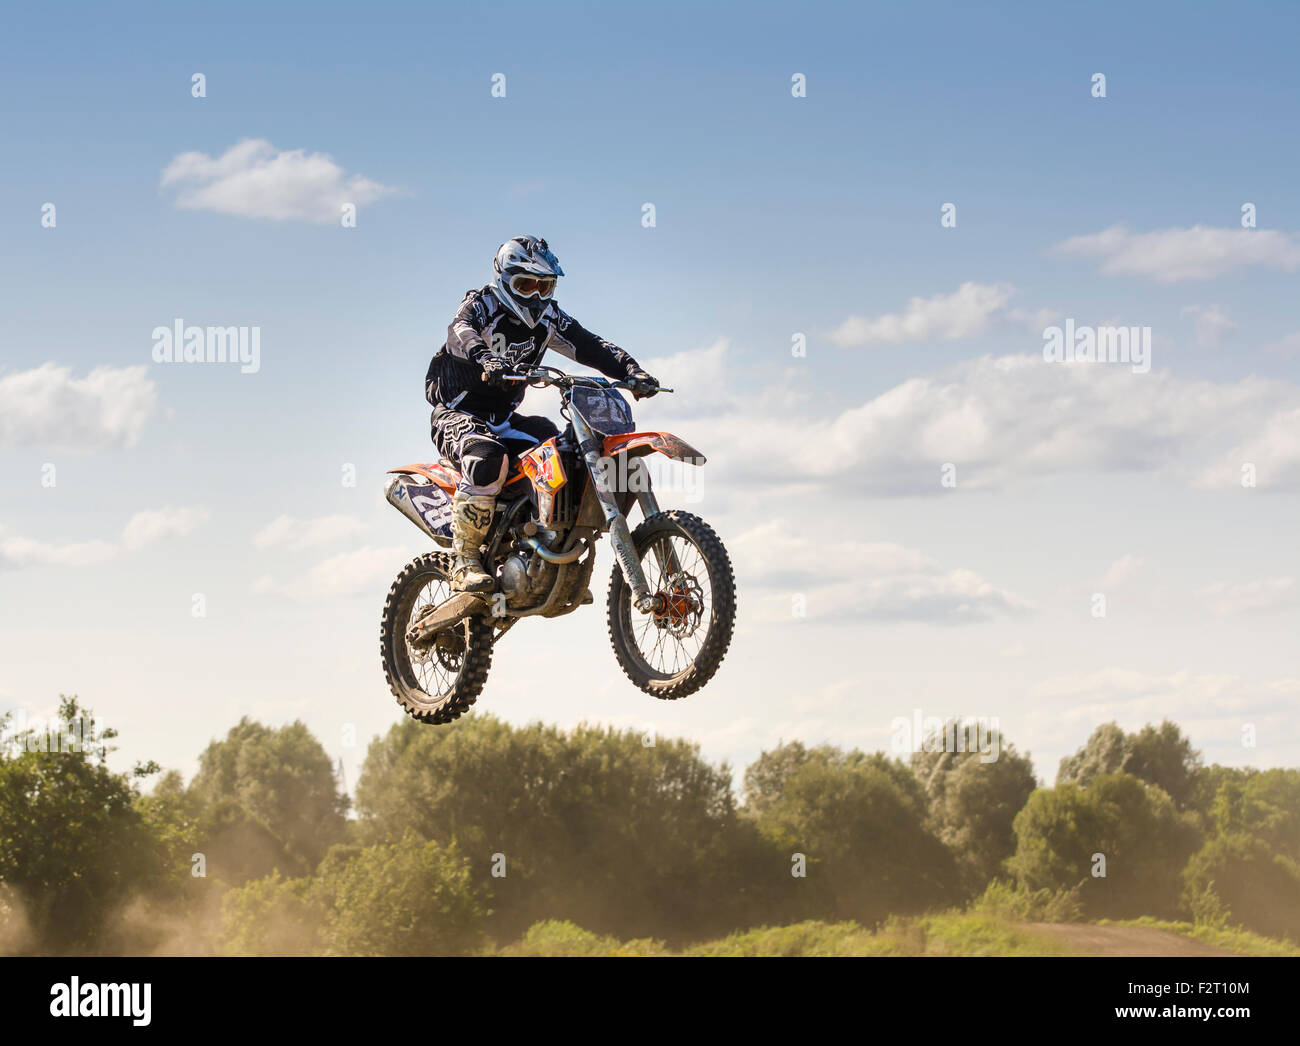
[[555, 557]]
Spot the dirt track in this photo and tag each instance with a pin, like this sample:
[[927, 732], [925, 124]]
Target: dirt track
[[1125, 940]]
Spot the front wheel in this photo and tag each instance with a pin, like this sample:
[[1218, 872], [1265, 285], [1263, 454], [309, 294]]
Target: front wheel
[[674, 651]]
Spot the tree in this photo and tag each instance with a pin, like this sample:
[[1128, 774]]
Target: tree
[[268, 799], [1239, 878], [72, 845], [1163, 756], [1158, 755], [1264, 805], [1104, 753], [406, 898], [172, 814], [1132, 825], [590, 825], [1207, 781], [860, 822], [766, 776], [972, 804], [273, 916]]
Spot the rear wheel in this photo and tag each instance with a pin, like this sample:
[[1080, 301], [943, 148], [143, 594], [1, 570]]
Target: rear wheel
[[674, 651], [438, 682]]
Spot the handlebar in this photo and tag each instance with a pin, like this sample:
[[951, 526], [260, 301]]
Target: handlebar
[[542, 377]]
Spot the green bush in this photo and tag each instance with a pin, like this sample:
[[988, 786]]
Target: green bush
[[1144, 840], [556, 937], [407, 898], [272, 916], [594, 825], [1011, 900], [812, 937], [944, 933], [1237, 879], [861, 823]]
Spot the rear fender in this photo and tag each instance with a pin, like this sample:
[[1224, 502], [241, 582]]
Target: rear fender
[[431, 472], [444, 477]]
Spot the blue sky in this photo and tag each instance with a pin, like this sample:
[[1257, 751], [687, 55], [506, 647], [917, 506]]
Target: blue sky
[[774, 215]]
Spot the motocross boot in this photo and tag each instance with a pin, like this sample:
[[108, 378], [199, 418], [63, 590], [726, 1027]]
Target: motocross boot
[[471, 515]]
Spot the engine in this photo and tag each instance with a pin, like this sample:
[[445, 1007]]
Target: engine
[[526, 579]]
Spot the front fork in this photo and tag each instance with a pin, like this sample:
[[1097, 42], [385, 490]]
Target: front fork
[[619, 534], [665, 554]]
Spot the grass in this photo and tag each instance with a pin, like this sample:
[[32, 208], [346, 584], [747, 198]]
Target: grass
[[947, 933], [951, 933], [1232, 938], [554, 937]]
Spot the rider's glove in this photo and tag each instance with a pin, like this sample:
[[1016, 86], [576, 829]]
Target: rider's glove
[[644, 384], [497, 371]]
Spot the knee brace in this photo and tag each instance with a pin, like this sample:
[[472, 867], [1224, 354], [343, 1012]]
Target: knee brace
[[483, 467]]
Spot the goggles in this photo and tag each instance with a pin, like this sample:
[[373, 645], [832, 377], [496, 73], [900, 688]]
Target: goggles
[[526, 286]]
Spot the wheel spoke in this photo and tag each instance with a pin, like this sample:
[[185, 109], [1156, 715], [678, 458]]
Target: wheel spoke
[[432, 674], [669, 643]]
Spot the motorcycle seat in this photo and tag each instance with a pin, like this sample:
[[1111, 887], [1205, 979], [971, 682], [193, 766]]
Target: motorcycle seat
[[446, 475]]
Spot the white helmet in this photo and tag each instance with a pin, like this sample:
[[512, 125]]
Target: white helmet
[[526, 274]]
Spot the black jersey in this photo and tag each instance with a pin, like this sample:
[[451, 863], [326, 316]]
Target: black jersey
[[484, 327]]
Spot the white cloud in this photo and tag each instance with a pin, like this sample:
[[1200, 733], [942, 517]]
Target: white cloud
[[142, 529], [364, 570], [987, 416], [1111, 692], [844, 578], [1119, 572], [1266, 594], [967, 311], [1211, 323], [1271, 445], [700, 379], [48, 407], [295, 533], [1212, 709], [1035, 320], [21, 552], [1198, 253], [147, 527], [253, 179]]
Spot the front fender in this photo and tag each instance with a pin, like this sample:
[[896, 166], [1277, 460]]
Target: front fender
[[637, 443]]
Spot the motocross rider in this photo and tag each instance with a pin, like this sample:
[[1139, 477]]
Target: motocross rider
[[500, 330]]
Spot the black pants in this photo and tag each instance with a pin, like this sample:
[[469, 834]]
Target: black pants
[[483, 449]]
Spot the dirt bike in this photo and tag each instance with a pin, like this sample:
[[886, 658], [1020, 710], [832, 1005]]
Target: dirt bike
[[672, 596]]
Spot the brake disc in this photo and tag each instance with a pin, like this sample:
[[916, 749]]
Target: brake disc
[[683, 605]]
